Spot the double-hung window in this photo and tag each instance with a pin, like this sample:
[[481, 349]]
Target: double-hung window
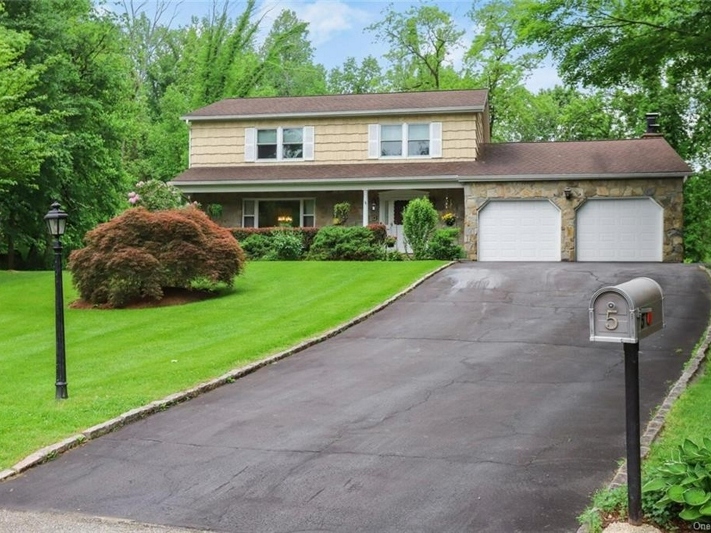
[[408, 140], [279, 144]]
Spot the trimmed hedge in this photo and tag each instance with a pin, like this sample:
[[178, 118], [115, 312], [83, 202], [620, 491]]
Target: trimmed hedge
[[307, 234], [139, 253], [257, 242], [339, 243]]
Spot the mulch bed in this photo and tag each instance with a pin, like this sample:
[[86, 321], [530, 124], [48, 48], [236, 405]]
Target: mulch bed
[[171, 296]]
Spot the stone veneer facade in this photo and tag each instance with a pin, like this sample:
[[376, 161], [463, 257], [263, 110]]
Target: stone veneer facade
[[667, 192]]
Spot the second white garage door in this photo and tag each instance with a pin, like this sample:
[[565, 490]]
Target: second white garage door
[[620, 229], [519, 230]]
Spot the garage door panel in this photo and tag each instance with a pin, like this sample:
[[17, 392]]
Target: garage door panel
[[620, 229], [519, 231]]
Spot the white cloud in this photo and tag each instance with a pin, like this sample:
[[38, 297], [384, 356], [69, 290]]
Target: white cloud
[[325, 17], [544, 77]]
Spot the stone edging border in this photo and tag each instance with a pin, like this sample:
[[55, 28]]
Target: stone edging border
[[50, 452], [657, 422]]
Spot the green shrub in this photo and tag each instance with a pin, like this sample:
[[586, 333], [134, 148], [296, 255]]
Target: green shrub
[[139, 253], [285, 246], [443, 245], [256, 246], [419, 222], [341, 212], [307, 235], [697, 218], [339, 243], [682, 485]]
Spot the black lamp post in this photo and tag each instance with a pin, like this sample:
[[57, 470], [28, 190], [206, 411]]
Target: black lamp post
[[56, 220]]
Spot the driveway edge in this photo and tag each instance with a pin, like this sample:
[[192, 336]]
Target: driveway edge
[[657, 422], [50, 452]]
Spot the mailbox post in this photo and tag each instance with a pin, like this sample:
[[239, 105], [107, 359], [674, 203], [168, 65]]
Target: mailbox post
[[626, 313]]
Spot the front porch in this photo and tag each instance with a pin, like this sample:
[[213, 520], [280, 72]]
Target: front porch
[[315, 208]]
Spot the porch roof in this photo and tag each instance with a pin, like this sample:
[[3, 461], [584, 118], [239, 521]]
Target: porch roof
[[639, 158]]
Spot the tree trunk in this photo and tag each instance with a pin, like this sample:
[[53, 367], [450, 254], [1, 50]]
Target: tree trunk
[[10, 253]]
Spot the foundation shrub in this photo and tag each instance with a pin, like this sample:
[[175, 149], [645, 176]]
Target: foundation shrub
[[307, 234], [339, 243], [256, 246], [139, 253], [380, 232], [443, 245], [285, 246], [419, 222]]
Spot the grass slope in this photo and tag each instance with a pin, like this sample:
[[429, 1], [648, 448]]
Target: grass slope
[[121, 359]]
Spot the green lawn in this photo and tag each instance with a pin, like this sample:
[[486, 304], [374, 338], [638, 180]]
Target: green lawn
[[121, 359], [688, 418]]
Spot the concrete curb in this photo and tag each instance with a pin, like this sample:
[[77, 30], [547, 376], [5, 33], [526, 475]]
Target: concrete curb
[[50, 452], [657, 422]]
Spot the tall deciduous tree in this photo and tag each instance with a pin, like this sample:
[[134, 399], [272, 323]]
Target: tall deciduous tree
[[497, 59], [83, 78], [352, 78], [422, 40], [656, 49], [291, 70]]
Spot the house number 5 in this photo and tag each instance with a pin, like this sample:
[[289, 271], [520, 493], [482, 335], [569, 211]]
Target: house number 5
[[610, 318]]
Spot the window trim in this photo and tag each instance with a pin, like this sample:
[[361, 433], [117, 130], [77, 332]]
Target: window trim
[[302, 213], [375, 140], [251, 145]]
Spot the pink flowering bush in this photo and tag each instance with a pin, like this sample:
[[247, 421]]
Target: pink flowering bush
[[156, 195]]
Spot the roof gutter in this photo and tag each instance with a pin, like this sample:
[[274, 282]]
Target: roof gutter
[[558, 177], [329, 114]]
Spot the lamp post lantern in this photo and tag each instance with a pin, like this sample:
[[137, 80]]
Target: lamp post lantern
[[56, 220]]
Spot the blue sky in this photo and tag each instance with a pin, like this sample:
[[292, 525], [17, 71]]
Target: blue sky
[[337, 27]]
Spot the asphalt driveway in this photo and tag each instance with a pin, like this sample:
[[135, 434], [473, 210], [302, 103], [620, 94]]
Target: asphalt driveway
[[475, 403]]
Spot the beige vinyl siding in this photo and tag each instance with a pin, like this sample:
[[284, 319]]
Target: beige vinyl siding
[[337, 140], [218, 144]]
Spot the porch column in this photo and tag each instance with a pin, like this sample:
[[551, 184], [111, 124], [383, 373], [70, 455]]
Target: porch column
[[365, 207]]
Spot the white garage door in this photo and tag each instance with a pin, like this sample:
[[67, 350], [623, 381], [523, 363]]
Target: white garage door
[[519, 230], [620, 229]]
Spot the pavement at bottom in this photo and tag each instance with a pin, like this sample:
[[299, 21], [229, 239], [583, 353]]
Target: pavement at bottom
[[474, 403]]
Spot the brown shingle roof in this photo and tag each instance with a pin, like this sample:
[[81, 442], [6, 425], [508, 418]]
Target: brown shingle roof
[[342, 104], [620, 157], [521, 161], [316, 172]]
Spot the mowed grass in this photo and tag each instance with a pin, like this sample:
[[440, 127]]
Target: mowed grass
[[689, 418], [121, 359]]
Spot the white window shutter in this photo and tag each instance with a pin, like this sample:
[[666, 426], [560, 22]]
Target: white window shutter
[[436, 139], [373, 141], [308, 143], [250, 144]]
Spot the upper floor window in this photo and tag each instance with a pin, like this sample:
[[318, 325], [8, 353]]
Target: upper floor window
[[405, 140], [279, 144]]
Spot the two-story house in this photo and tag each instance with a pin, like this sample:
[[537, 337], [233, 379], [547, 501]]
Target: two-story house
[[270, 161]]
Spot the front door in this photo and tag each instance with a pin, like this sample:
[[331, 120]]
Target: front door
[[396, 226]]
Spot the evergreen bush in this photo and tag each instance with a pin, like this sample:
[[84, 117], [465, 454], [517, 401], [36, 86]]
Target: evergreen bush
[[285, 246], [419, 222], [339, 243], [443, 245]]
